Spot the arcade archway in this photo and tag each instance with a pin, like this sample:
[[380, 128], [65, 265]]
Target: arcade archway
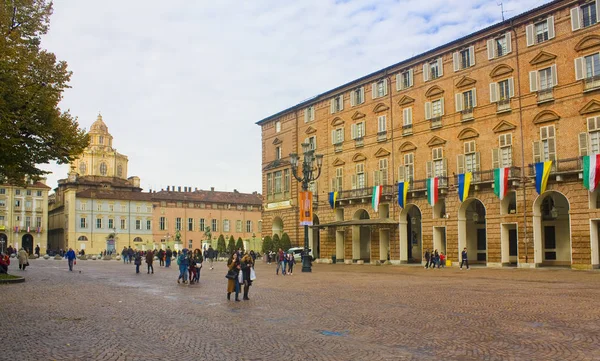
[[552, 230], [410, 234], [361, 238], [472, 232]]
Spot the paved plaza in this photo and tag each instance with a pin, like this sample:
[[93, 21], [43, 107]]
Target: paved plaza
[[339, 312]]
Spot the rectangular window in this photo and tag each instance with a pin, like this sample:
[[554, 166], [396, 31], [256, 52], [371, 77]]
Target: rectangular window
[[383, 172], [379, 88], [83, 206], [464, 58], [381, 124], [337, 104], [541, 32], [408, 169], [248, 226], [123, 208], [545, 148], [38, 193], [201, 224], [138, 224], [215, 225], [312, 142], [28, 192], [28, 204], [433, 69], [17, 203], [404, 80], [111, 207], [407, 116], [309, 114], [470, 157], [38, 222], [111, 223], [2, 221], [2, 203], [338, 180], [501, 46], [138, 209], [162, 223], [468, 99], [358, 130], [2, 190], [277, 153], [178, 223], [226, 225], [436, 108], [543, 79], [589, 14], [505, 146], [190, 224], [17, 192], [278, 181], [337, 136], [357, 96], [503, 90], [148, 224], [592, 66], [286, 180], [360, 176], [83, 222], [238, 226], [277, 126], [269, 183], [27, 222], [123, 223]]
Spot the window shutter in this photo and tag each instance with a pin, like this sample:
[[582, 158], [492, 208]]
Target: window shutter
[[440, 66], [427, 110], [508, 42], [363, 127], [511, 87], [376, 178], [537, 157], [401, 173], [495, 158], [445, 167], [374, 91], [550, 27], [306, 114], [405, 116], [552, 149], [410, 115], [493, 92], [399, 81], [455, 61], [533, 82], [529, 31], [343, 131], [477, 162], [491, 49], [471, 55], [385, 86], [458, 100], [341, 102], [579, 68], [362, 95], [353, 98], [354, 181], [554, 75], [583, 144], [442, 105], [353, 131], [410, 77], [460, 164], [333, 140], [429, 169], [426, 72], [576, 19], [332, 106], [474, 97], [312, 112]]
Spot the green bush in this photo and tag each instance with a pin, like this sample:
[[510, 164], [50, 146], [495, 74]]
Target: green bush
[[221, 248], [239, 244], [267, 244], [231, 245], [276, 242], [286, 243]]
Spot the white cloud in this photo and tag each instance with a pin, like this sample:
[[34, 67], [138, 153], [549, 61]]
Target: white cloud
[[181, 83]]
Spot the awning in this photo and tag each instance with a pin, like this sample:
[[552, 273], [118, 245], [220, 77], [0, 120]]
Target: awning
[[359, 222]]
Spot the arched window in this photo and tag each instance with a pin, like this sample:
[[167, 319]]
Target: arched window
[[82, 238], [119, 170], [138, 239], [103, 168], [82, 168]]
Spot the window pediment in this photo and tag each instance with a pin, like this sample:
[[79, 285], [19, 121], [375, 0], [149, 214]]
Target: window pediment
[[504, 126], [359, 157], [381, 152], [380, 108], [405, 100], [338, 162], [588, 42], [593, 106], [407, 147], [465, 81], [277, 141], [337, 121], [310, 130], [358, 115], [545, 116], [436, 141], [501, 70], [542, 57], [434, 91], [468, 133]]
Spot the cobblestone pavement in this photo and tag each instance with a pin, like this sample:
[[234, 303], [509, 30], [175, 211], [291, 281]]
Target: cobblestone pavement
[[338, 312]]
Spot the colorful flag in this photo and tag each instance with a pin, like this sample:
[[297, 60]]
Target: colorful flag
[[591, 171], [501, 182], [306, 210], [39, 230], [542, 172], [376, 197], [27, 229], [402, 192], [432, 190], [464, 183], [332, 199]]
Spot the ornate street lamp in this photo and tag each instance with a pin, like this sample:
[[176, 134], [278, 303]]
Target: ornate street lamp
[[307, 176]]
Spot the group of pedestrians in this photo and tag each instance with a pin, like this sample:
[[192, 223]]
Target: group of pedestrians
[[241, 273], [285, 262], [435, 259], [190, 264]]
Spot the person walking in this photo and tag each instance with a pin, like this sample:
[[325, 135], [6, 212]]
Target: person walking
[[435, 259], [124, 254], [191, 267], [465, 259], [280, 262], [427, 258], [233, 285], [442, 260], [161, 257], [183, 262], [70, 256], [137, 261], [130, 255], [247, 264], [23, 259], [149, 260], [168, 257], [291, 263], [211, 256], [37, 251], [198, 261]]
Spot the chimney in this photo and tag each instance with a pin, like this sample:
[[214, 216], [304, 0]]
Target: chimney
[[196, 189], [179, 189], [167, 188], [185, 189], [212, 189]]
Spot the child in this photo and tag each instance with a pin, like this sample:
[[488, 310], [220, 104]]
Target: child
[[442, 260]]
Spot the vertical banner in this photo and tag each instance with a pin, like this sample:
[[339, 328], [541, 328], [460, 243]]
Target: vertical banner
[[542, 172], [464, 183], [332, 199], [306, 211], [402, 191]]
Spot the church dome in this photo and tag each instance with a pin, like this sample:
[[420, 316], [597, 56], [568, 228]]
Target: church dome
[[99, 126]]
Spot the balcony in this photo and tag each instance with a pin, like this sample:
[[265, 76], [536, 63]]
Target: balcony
[[562, 167], [355, 194], [421, 184], [359, 142], [591, 83], [467, 114], [487, 176], [382, 136], [338, 148], [503, 105], [407, 129], [436, 123], [545, 95]]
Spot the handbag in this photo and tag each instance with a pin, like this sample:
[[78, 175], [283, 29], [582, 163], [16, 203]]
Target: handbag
[[241, 277], [230, 275], [252, 274], [74, 261]]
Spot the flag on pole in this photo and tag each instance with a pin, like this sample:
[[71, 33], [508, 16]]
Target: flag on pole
[[542, 172], [376, 197], [591, 171], [464, 183], [332, 199], [432, 190], [27, 229], [402, 192], [501, 182]]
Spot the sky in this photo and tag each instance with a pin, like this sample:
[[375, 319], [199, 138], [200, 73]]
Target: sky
[[181, 84]]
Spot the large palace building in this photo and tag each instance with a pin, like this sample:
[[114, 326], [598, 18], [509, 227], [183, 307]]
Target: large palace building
[[518, 93]]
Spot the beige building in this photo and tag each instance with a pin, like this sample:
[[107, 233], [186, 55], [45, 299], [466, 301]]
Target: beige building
[[519, 92], [24, 216]]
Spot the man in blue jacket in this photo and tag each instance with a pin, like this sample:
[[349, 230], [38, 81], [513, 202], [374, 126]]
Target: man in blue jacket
[[70, 256], [465, 260]]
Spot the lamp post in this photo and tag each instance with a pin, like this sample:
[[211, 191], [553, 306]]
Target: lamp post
[[307, 176]]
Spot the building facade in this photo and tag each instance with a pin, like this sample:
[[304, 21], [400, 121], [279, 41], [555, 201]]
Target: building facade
[[517, 93], [24, 216]]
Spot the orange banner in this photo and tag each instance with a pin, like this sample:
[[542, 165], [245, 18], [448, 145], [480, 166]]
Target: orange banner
[[306, 211]]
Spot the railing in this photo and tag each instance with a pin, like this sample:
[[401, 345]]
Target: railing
[[356, 193], [562, 166], [407, 129], [421, 184], [545, 95], [382, 136], [467, 114], [359, 142], [592, 82], [487, 176], [503, 105], [436, 122], [338, 147], [278, 196]]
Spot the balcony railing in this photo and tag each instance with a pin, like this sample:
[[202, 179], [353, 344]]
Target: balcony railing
[[356, 193], [338, 147], [359, 142], [407, 129], [592, 82], [382, 136], [487, 176], [562, 166], [545, 95], [467, 114], [503, 105], [436, 122], [421, 184], [278, 196]]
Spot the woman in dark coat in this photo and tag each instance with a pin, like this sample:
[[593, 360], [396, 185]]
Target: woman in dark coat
[[233, 285], [247, 264]]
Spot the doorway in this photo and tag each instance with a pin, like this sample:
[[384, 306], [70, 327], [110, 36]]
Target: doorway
[[410, 234], [552, 230], [27, 243], [439, 239], [361, 238], [472, 233]]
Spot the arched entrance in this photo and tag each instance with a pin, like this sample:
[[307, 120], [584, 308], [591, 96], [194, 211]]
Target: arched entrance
[[472, 231], [3, 242], [552, 230], [361, 238], [314, 238], [277, 226], [27, 243], [410, 234]]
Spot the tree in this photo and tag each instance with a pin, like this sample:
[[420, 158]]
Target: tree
[[267, 244], [221, 248], [231, 245], [285, 242], [276, 242], [34, 129], [239, 244]]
